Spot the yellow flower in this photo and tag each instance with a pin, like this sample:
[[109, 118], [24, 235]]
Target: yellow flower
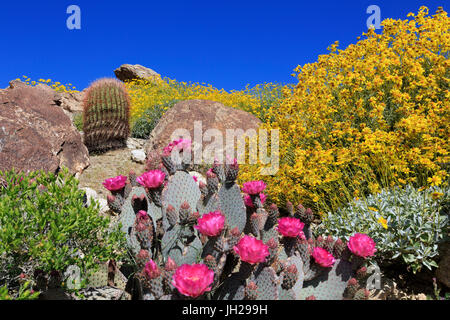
[[435, 180], [383, 222], [373, 209], [436, 195]]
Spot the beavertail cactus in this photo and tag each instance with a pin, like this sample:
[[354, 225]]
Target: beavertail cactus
[[216, 240]]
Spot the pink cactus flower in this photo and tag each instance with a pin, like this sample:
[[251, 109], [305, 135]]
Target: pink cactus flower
[[151, 179], [290, 227], [142, 214], [251, 250], [253, 187], [211, 224], [193, 280], [323, 257], [183, 144], [151, 270], [248, 200], [180, 144], [210, 173], [166, 151], [361, 245], [116, 183]]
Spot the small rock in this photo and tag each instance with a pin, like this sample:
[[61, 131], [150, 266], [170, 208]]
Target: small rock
[[104, 208], [138, 156], [91, 195], [421, 296], [134, 143]]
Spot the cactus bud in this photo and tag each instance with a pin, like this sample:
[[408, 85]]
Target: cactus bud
[[290, 277], [113, 203], [193, 217], [273, 214], [212, 182], [361, 273], [290, 208], [210, 262], [235, 236], [301, 209], [232, 171], [320, 242], [151, 270], [272, 243], [185, 212], [172, 215], [273, 250], [311, 298], [352, 287], [362, 294], [170, 265], [339, 247], [329, 242], [203, 188], [254, 224], [141, 258], [251, 291]]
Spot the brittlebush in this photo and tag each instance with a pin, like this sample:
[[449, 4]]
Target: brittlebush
[[146, 94], [55, 85], [373, 115]]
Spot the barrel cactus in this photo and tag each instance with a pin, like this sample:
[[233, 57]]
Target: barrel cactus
[[207, 240], [106, 109]]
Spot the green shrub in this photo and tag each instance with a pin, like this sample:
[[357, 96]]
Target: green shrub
[[24, 293], [78, 121], [416, 220], [145, 124], [45, 224]]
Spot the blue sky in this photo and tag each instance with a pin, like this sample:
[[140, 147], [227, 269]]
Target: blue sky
[[224, 43]]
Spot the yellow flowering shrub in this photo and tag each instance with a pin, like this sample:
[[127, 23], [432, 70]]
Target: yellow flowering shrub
[[55, 85], [373, 115], [146, 94]]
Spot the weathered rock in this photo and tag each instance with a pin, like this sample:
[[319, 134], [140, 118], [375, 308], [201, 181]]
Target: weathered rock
[[128, 72], [443, 270], [134, 143], [92, 196], [138, 155], [70, 102], [202, 113], [35, 133]]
